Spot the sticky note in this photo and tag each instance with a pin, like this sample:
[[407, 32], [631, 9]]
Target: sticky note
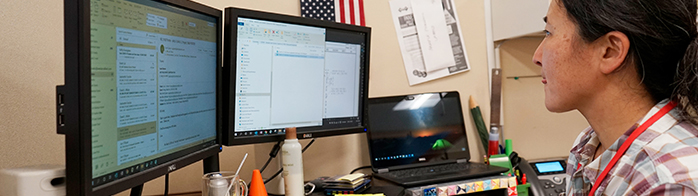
[[430, 191], [461, 189], [452, 190], [495, 183], [470, 187], [487, 185], [512, 191], [512, 181], [442, 191], [478, 186]]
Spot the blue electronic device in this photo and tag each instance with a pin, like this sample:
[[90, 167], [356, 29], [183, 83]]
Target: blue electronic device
[[550, 176]]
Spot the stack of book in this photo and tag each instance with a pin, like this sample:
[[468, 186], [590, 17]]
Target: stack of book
[[346, 184]]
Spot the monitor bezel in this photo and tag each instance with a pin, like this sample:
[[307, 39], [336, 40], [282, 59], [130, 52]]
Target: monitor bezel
[[229, 71], [74, 106]]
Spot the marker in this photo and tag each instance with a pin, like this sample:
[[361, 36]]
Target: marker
[[523, 179], [493, 146]]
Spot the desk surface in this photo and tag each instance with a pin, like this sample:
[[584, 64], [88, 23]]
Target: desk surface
[[378, 186], [382, 186]]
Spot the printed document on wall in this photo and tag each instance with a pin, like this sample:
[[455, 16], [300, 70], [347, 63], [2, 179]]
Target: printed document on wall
[[432, 34], [431, 48]]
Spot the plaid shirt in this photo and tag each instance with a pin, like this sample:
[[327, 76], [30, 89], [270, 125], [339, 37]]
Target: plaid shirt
[[661, 161]]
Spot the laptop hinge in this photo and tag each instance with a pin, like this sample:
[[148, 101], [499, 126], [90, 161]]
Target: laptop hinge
[[383, 170], [462, 161]]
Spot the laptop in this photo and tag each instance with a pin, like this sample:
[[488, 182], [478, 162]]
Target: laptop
[[420, 139]]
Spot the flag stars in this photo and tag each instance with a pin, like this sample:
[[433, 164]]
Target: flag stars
[[325, 10]]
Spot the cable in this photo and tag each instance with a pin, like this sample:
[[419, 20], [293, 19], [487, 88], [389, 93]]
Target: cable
[[167, 183], [274, 176], [272, 154], [282, 169], [265, 164], [306, 146], [359, 168]]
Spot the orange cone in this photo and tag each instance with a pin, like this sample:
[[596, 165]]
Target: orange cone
[[257, 185]]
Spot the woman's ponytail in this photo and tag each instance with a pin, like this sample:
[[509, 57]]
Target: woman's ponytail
[[686, 83]]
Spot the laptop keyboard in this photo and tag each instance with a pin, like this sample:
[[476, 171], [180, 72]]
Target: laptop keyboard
[[436, 170]]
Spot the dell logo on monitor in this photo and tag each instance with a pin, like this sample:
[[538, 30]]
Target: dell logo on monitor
[[307, 135], [171, 168]]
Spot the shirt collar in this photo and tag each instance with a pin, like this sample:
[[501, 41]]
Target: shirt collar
[[586, 149]]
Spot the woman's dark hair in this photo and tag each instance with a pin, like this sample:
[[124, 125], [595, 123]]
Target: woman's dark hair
[[663, 42]]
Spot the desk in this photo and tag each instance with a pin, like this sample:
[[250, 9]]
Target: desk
[[391, 189], [385, 187]]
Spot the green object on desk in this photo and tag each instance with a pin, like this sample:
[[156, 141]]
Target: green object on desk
[[479, 123], [501, 160], [522, 189], [508, 147]]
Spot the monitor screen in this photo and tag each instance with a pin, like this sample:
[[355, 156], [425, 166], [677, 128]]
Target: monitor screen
[[153, 86], [419, 128], [294, 72]]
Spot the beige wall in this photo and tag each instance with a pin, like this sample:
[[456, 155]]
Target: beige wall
[[535, 132], [31, 58]]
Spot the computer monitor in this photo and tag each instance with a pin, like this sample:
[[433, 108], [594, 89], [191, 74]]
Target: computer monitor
[[142, 91], [288, 71]]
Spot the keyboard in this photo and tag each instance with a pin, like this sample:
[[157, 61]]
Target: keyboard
[[435, 170]]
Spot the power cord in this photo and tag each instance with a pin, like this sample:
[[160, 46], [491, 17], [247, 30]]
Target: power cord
[[306, 146], [359, 168], [272, 154], [167, 183], [274, 176], [282, 169]]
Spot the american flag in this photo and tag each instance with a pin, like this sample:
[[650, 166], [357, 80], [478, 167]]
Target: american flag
[[344, 11]]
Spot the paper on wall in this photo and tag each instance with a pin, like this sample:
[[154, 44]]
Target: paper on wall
[[433, 34], [412, 55]]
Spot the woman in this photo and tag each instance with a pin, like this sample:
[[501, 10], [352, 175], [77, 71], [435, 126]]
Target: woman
[[619, 63]]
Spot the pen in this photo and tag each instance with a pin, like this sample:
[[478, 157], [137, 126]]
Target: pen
[[518, 175]]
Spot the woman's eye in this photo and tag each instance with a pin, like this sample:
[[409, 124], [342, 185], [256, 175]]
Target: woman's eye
[[547, 33]]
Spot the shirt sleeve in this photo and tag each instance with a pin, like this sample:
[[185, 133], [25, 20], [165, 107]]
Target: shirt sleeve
[[672, 189]]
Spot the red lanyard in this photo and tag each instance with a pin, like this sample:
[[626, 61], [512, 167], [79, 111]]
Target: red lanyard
[[668, 107]]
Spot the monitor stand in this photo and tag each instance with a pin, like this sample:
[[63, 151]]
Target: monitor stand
[[137, 190], [211, 164]]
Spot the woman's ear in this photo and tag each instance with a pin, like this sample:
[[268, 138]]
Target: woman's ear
[[613, 48]]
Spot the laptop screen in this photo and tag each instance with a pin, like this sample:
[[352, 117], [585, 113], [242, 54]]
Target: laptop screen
[[413, 129]]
